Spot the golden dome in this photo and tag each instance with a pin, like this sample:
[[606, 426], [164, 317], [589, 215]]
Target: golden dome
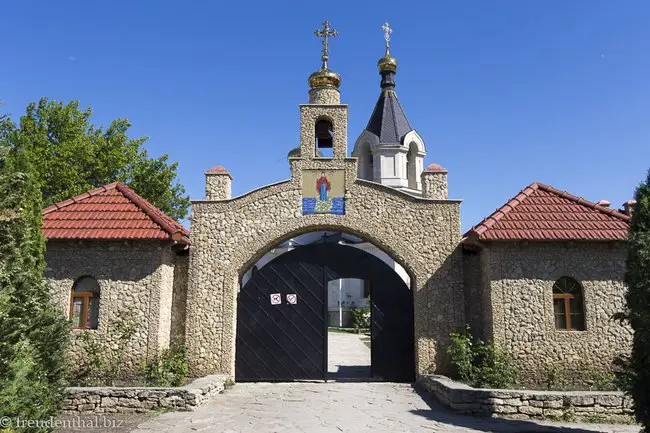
[[324, 77], [387, 63]]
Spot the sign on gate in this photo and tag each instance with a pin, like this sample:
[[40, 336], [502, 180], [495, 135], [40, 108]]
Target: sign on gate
[[276, 299], [292, 298]]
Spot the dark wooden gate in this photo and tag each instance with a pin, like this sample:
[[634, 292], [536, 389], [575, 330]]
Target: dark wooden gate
[[286, 341]]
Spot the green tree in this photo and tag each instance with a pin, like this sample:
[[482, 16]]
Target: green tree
[[33, 334], [636, 377], [71, 155]]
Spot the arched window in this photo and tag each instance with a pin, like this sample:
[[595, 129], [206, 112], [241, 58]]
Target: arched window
[[411, 166], [366, 169], [324, 138], [568, 305], [84, 303]]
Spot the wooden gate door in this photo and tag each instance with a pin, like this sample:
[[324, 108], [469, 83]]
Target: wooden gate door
[[282, 316]]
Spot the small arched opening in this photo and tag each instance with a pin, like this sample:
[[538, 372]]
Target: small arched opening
[[324, 133], [412, 166], [366, 163]]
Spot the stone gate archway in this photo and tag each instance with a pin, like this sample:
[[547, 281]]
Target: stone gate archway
[[420, 231], [229, 235]]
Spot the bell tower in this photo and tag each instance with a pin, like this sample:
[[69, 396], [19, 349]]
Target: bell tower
[[389, 150], [324, 121]]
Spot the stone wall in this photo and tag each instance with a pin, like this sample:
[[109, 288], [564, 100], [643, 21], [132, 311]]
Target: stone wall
[[141, 399], [590, 406], [476, 288], [162, 318], [179, 300], [521, 278], [135, 280], [230, 236]]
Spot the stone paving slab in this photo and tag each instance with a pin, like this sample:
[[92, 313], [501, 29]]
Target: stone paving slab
[[342, 407], [347, 356]]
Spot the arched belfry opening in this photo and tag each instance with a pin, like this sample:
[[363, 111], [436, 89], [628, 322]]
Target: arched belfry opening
[[324, 138], [325, 305]]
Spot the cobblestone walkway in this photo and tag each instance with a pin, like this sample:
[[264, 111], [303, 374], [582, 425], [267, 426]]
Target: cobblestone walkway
[[340, 407]]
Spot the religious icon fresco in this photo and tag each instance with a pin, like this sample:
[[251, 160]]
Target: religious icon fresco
[[323, 192]]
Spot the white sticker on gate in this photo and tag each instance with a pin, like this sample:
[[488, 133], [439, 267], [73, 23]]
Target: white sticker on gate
[[292, 298], [276, 299]]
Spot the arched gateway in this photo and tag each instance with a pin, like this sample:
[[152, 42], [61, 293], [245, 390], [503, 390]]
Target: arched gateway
[[412, 221], [282, 309]]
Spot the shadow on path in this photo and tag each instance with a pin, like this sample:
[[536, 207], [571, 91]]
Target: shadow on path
[[350, 372], [441, 414]]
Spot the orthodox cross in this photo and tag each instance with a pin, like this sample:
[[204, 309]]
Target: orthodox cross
[[387, 31], [325, 33]]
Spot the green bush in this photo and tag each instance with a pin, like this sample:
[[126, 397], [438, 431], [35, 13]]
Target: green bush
[[167, 368], [360, 318], [556, 378], [481, 364], [604, 382]]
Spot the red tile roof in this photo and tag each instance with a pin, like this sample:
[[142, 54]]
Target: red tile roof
[[541, 212], [435, 168], [218, 169], [112, 211]]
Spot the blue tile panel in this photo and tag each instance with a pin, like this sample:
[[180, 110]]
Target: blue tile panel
[[335, 206]]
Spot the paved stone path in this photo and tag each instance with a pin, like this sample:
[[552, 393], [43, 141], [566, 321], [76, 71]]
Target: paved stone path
[[348, 357], [355, 407]]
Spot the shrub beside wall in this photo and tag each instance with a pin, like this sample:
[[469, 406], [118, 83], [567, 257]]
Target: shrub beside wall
[[481, 364]]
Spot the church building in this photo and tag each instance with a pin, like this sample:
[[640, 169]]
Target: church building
[[246, 291]]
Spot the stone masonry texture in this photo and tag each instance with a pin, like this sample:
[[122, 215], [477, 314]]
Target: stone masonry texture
[[141, 399], [517, 285], [218, 186], [434, 185], [136, 280], [611, 406]]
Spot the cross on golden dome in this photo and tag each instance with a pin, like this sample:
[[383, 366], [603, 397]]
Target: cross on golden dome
[[387, 31], [325, 33]]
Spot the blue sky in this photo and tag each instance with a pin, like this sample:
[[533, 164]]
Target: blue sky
[[504, 93]]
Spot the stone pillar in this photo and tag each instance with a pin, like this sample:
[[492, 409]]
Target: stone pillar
[[434, 182], [628, 207], [218, 184]]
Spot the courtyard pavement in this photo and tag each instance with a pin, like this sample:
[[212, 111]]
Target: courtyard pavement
[[355, 407], [348, 357], [342, 406]]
